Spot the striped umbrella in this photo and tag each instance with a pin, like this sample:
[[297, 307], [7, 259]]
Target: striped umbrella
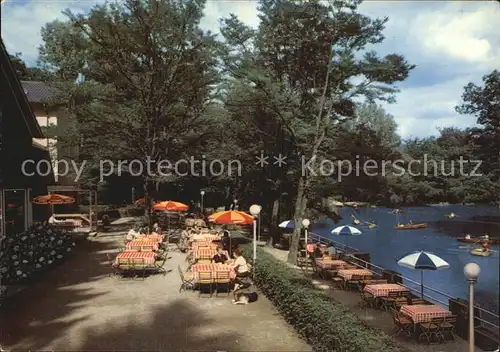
[[346, 230], [53, 198], [423, 261], [232, 217], [288, 224], [170, 205]]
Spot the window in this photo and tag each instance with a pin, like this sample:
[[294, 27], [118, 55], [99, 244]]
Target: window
[[15, 212]]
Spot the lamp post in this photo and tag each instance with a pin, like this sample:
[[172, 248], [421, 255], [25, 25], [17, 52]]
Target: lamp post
[[471, 272], [258, 225], [306, 223], [202, 193], [255, 211]]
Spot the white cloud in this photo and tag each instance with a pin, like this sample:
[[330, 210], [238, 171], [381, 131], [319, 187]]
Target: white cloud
[[452, 43]]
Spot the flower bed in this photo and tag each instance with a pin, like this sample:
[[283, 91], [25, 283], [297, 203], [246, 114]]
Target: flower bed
[[326, 324], [24, 255]]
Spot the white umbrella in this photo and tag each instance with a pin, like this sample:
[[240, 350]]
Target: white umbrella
[[346, 231], [288, 224], [423, 261]]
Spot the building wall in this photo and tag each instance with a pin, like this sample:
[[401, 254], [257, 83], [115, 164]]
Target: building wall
[[58, 149]]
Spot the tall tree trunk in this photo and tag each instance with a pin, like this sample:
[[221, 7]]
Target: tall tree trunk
[[148, 200], [300, 207], [273, 224]]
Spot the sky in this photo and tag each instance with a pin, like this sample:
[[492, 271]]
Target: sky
[[451, 42]]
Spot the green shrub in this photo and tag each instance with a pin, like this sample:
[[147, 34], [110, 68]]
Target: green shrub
[[326, 324]]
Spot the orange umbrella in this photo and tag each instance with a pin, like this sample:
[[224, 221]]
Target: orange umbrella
[[231, 217], [170, 205], [53, 199]]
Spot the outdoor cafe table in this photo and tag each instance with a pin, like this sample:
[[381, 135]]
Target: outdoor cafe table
[[207, 253], [152, 237], [382, 290], [212, 268], [423, 313], [139, 244], [149, 257], [196, 245], [205, 237], [328, 264], [347, 274]]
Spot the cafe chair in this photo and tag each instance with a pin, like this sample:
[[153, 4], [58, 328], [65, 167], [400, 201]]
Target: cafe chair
[[187, 280], [402, 323], [222, 282], [205, 283]]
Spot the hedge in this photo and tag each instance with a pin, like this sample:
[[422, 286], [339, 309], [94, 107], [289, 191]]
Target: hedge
[[326, 324]]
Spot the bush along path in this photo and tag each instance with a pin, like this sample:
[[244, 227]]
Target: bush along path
[[326, 324], [26, 255]]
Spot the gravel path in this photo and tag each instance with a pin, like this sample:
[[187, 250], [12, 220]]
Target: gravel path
[[79, 307]]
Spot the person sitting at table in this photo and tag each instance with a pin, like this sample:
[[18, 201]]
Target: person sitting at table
[[225, 241], [332, 251], [240, 266], [318, 253], [219, 257]]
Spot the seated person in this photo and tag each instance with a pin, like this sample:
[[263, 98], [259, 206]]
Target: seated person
[[240, 266], [318, 253], [332, 251], [225, 240], [219, 257]]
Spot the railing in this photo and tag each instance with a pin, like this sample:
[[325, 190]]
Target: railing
[[489, 318]]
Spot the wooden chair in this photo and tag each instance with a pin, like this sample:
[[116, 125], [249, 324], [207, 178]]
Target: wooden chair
[[125, 268], [354, 282], [430, 330], [205, 281], [139, 267], [402, 323], [447, 328], [367, 299], [159, 265], [187, 281], [222, 280], [389, 301]]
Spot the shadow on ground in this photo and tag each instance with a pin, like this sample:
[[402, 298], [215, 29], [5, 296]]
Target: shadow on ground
[[40, 314], [174, 327]]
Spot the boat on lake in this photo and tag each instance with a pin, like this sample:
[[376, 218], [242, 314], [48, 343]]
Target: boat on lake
[[479, 240], [480, 252], [422, 225], [451, 216], [372, 225]]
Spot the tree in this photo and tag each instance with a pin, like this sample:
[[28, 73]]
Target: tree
[[25, 73], [149, 75], [484, 103], [304, 57]]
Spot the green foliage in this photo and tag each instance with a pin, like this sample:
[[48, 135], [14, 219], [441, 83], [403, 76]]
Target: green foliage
[[328, 325]]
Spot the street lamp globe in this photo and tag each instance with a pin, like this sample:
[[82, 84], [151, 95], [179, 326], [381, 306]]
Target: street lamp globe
[[202, 193], [472, 271], [255, 209], [306, 223]]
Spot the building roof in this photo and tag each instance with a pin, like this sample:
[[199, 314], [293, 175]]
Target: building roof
[[12, 83], [38, 92]]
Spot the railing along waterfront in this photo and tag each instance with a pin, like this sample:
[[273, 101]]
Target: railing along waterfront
[[490, 319]]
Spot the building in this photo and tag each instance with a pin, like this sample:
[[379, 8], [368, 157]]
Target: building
[[20, 152], [53, 117]]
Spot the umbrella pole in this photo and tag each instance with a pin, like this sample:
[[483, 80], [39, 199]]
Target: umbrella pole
[[422, 284]]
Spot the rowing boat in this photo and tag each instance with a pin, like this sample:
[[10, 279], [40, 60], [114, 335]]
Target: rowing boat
[[493, 241], [480, 252], [422, 225], [356, 222], [372, 225]]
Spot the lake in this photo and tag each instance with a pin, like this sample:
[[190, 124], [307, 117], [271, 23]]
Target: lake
[[386, 245]]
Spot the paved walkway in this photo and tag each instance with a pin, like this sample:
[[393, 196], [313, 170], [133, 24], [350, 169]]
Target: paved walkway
[[375, 317], [78, 307]]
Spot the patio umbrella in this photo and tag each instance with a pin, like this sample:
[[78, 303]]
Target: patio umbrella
[[231, 217], [346, 230], [288, 224], [170, 205], [423, 261], [53, 198]]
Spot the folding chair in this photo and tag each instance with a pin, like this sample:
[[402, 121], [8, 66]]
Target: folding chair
[[205, 280], [187, 281], [402, 324], [222, 280], [430, 330]]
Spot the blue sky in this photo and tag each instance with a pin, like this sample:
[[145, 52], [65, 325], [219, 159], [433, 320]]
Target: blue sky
[[451, 42]]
